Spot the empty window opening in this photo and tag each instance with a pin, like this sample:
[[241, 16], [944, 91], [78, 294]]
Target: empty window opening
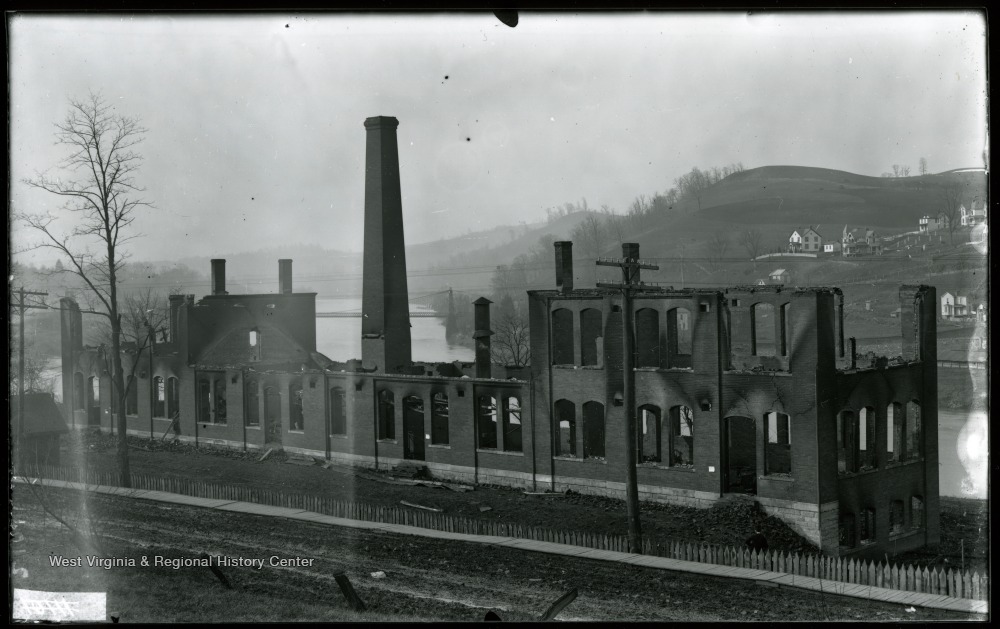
[[413, 427], [783, 329], [679, 325], [847, 530], [487, 422], [591, 342], [565, 428], [681, 436], [704, 307], [741, 455], [649, 434], [296, 418], [847, 442], [762, 330], [778, 454], [593, 430], [896, 515], [338, 411], [173, 398], [252, 411], [386, 414], [562, 337], [132, 396], [893, 431], [647, 338], [159, 398], [867, 532], [734, 302], [512, 426], [866, 439], [253, 338], [211, 398], [439, 419], [914, 448], [916, 512]]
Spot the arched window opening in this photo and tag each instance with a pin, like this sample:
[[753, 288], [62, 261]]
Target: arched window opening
[[159, 398], [778, 454], [252, 411], [565, 428], [173, 398], [338, 411], [893, 432], [681, 436], [914, 446], [386, 415], [867, 532], [562, 337], [296, 418], [866, 438], [647, 338], [649, 434], [439, 419], [762, 330], [219, 398], [487, 422], [591, 340], [593, 430], [847, 441], [512, 426]]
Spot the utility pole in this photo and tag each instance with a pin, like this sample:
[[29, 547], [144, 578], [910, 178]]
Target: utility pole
[[630, 264], [22, 306]]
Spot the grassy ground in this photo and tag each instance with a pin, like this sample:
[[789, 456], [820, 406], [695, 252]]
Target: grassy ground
[[425, 579], [964, 522]]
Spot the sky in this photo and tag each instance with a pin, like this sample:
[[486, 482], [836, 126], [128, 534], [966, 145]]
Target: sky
[[255, 131]]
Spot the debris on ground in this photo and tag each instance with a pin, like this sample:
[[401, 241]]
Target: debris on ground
[[378, 575], [547, 494], [484, 509], [416, 506]]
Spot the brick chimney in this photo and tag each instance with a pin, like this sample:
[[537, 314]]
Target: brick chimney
[[219, 277], [482, 335], [564, 266], [385, 322], [284, 276]]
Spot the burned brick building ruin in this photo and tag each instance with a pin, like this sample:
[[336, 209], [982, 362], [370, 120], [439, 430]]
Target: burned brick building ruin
[[741, 390]]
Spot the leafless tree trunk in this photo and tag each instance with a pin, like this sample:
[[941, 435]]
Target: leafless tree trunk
[[951, 197], [718, 247], [923, 166], [100, 198], [751, 241], [510, 344]]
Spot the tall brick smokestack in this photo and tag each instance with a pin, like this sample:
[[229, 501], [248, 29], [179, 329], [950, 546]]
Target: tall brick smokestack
[[564, 266], [482, 335], [385, 322], [284, 276], [219, 277]]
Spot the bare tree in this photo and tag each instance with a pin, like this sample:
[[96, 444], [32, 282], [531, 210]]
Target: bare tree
[[615, 223], [923, 166], [905, 171], [951, 197], [751, 241], [592, 236], [895, 170], [101, 196], [510, 343], [718, 247]]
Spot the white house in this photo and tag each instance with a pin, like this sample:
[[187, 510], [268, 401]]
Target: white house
[[974, 215], [961, 306], [981, 313], [929, 224], [805, 240], [947, 305]]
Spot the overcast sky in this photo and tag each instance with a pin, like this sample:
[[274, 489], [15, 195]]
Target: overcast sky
[[255, 122]]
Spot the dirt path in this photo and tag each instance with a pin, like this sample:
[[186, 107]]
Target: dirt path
[[426, 578]]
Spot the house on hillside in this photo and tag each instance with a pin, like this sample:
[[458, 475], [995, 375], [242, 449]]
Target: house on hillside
[[930, 224], [805, 240], [860, 242], [981, 313], [961, 306], [947, 304], [974, 215], [780, 276], [832, 247]]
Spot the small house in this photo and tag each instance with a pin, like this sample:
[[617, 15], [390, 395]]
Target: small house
[[806, 240], [947, 305], [780, 276]]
